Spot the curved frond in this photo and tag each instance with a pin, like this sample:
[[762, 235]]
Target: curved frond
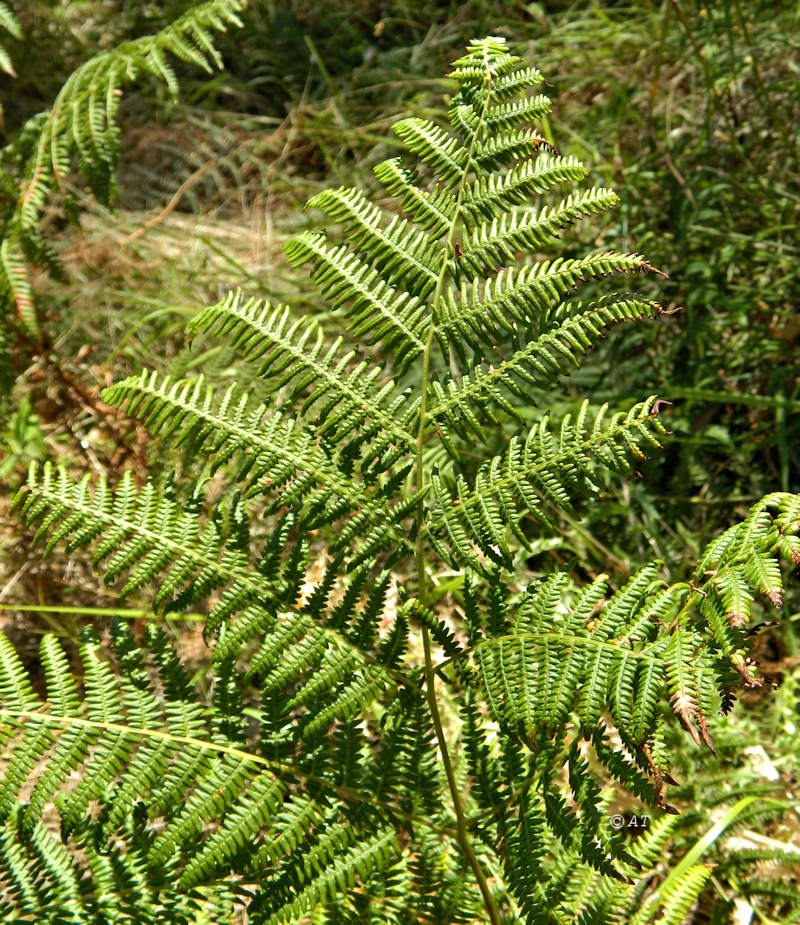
[[278, 459], [163, 773], [502, 305], [491, 244], [493, 195], [436, 148], [546, 468], [570, 330], [433, 211], [404, 255], [562, 661], [350, 403], [394, 318], [9, 23], [81, 127], [276, 452], [142, 534]]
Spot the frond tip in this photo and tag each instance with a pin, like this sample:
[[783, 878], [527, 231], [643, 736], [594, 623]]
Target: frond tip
[[10, 24], [81, 129]]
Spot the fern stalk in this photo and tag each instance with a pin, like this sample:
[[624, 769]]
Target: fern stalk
[[463, 837]]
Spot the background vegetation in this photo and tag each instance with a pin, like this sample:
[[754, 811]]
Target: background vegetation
[[689, 110]]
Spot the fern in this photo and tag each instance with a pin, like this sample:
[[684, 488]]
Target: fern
[[327, 774], [10, 24], [81, 129]]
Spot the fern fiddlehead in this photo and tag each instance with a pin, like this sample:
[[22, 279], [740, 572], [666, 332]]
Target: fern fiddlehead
[[362, 753]]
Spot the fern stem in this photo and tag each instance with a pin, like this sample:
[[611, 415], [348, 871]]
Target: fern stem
[[462, 833]]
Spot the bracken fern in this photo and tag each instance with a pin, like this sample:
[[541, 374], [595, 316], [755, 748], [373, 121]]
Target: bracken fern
[[80, 131], [364, 754]]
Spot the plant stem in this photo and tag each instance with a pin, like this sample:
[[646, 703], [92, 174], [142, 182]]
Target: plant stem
[[462, 833]]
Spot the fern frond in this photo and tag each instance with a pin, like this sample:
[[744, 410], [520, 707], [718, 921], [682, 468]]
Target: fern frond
[[683, 894], [403, 255], [14, 283], [395, 319], [81, 126], [487, 312], [493, 196], [433, 211], [311, 773], [741, 563], [535, 677], [9, 23], [570, 330], [279, 459], [132, 745], [491, 244], [343, 858], [509, 147], [353, 403], [437, 149], [486, 60], [143, 534], [507, 116], [545, 468]]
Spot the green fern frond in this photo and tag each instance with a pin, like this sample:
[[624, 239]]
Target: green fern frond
[[9, 23], [353, 403], [442, 152], [82, 127], [277, 456], [433, 211], [490, 244], [279, 459], [486, 60], [395, 725], [14, 283], [570, 330], [493, 196], [509, 147], [741, 563], [678, 901], [404, 255], [505, 303], [343, 858], [395, 319], [544, 468], [142, 534], [535, 678], [129, 746]]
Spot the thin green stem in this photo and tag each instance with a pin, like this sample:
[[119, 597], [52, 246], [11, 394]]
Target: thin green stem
[[462, 833], [120, 612]]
